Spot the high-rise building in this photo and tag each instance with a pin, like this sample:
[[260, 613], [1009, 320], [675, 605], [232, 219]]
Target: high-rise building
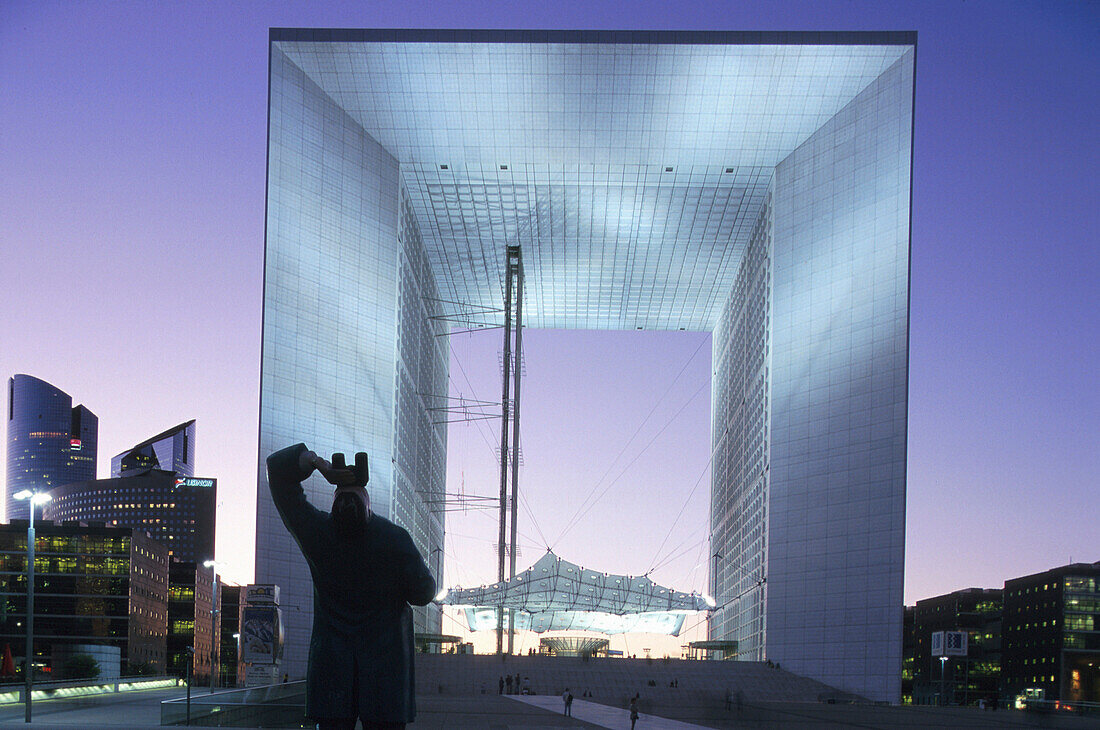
[[50, 442], [753, 185], [93, 585], [177, 511], [172, 450], [1052, 634]]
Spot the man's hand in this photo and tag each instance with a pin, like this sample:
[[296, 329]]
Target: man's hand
[[336, 477], [309, 460]]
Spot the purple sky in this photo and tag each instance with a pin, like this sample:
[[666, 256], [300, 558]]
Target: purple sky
[[132, 150]]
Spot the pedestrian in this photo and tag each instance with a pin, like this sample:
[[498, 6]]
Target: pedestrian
[[567, 700], [633, 710], [516, 684], [508, 681], [366, 571], [729, 699], [500, 686]]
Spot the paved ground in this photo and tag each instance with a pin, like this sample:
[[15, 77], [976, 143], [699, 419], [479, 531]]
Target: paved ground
[[606, 716], [140, 710]]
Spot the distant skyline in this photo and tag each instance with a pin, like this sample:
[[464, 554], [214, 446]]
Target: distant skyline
[[131, 249]]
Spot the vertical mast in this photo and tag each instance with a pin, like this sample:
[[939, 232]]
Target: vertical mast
[[515, 266]]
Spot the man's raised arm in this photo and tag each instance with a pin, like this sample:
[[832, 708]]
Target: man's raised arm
[[286, 470]]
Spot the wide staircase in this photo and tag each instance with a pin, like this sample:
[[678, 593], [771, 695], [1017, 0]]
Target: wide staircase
[[615, 681]]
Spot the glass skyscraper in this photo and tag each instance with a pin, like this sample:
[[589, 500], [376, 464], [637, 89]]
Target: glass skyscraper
[[50, 442], [752, 185], [172, 450]]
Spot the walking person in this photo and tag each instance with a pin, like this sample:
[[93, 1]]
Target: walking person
[[500, 686], [633, 710], [366, 571], [567, 700], [508, 681]]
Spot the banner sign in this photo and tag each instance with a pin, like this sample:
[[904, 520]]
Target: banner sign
[[259, 630]]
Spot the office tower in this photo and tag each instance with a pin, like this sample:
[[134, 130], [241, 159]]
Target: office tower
[[50, 442], [172, 450], [752, 185], [175, 510]]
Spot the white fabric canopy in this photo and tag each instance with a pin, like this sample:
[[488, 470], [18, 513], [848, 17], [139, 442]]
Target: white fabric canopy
[[556, 595]]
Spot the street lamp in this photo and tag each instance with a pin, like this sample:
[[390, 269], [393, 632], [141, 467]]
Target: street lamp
[[28, 664], [943, 681], [215, 646]]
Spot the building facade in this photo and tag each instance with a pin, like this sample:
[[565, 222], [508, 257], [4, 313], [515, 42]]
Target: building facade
[[229, 598], [751, 185], [177, 511], [959, 680], [172, 450], [50, 442], [93, 585], [1052, 634], [192, 628]]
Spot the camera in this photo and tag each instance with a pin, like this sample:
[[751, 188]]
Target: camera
[[359, 468]]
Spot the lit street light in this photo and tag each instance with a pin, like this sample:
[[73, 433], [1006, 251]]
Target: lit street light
[[28, 664]]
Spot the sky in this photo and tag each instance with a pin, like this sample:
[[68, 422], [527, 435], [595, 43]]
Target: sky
[[132, 168]]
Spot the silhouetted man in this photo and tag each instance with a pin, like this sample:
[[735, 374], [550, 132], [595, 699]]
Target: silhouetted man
[[366, 571]]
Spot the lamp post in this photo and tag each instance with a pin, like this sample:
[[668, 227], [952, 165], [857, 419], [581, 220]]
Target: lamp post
[[943, 681], [28, 665], [215, 646]]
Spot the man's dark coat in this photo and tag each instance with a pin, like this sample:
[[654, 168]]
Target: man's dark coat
[[362, 623]]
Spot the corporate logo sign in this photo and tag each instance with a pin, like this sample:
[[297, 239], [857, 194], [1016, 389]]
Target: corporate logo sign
[[201, 482]]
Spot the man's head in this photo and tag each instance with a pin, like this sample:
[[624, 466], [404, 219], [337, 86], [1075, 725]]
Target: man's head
[[350, 511]]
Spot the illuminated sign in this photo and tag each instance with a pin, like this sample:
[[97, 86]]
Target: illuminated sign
[[196, 482], [949, 643], [74, 444]]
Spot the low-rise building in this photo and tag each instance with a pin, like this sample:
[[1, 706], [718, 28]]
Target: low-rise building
[[230, 599], [94, 585], [965, 679], [1052, 634], [190, 623]]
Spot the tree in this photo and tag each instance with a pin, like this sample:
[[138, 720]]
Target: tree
[[80, 666]]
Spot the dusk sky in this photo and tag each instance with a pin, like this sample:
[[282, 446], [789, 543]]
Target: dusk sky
[[132, 170]]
